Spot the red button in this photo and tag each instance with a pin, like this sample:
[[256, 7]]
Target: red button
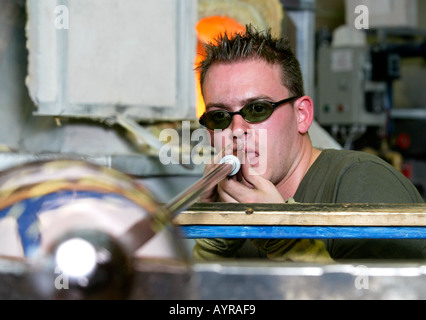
[[403, 141]]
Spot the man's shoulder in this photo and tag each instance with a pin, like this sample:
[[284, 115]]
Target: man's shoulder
[[355, 176], [353, 165], [334, 159], [349, 155]]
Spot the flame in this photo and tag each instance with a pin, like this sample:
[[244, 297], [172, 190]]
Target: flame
[[207, 30]]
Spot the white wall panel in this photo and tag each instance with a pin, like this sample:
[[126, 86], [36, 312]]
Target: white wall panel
[[97, 58]]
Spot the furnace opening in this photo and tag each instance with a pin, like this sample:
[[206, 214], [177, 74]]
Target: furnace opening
[[207, 30]]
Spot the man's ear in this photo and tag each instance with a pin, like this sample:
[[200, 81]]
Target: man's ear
[[304, 109]]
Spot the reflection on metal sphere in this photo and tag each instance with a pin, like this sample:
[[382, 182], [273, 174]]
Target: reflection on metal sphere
[[42, 200], [92, 265]]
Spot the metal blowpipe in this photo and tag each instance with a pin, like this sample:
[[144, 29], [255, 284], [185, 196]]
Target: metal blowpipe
[[142, 230]]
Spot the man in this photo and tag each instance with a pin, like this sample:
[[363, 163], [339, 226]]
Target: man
[[252, 87]]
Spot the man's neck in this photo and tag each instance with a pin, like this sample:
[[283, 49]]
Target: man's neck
[[289, 186]]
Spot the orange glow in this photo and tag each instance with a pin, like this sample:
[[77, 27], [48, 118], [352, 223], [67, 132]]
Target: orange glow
[[207, 30]]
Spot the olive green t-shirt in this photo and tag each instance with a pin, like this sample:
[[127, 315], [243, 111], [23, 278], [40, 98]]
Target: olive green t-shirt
[[347, 176]]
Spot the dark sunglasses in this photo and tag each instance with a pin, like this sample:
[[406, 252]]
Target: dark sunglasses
[[252, 112]]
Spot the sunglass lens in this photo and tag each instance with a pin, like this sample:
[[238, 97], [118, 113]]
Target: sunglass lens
[[218, 119], [257, 111]]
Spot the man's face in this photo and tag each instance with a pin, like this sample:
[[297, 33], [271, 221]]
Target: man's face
[[270, 146]]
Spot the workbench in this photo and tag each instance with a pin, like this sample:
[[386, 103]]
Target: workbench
[[299, 220]]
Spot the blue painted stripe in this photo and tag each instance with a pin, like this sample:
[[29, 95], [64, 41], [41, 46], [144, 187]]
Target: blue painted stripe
[[27, 224], [302, 232]]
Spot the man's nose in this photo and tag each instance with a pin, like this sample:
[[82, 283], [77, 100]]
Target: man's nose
[[238, 126]]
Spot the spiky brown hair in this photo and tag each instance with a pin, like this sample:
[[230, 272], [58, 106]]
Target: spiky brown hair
[[254, 44]]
